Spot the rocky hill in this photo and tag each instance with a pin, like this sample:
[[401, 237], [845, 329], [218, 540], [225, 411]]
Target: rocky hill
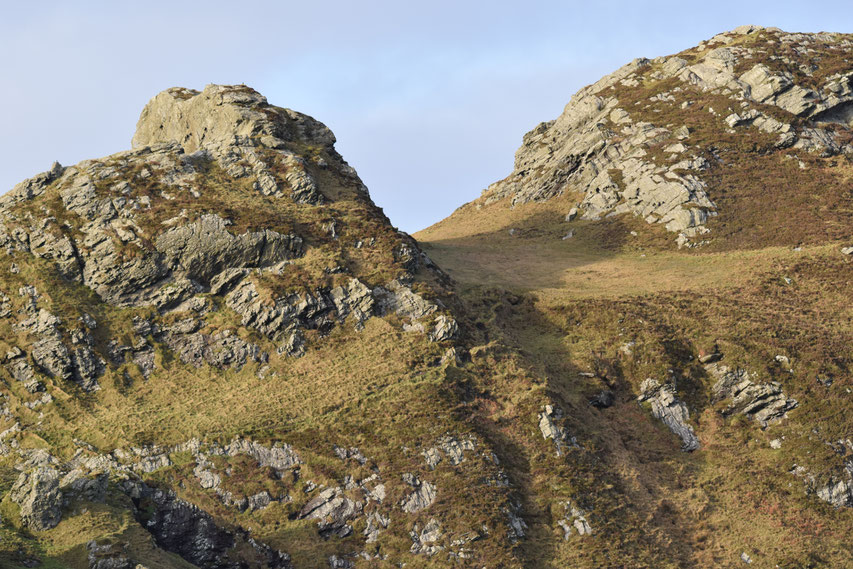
[[720, 144], [634, 351]]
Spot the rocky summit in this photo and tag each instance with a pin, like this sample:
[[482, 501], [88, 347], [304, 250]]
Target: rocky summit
[[633, 351]]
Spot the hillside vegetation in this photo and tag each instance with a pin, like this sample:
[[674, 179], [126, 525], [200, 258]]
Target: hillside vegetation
[[634, 351]]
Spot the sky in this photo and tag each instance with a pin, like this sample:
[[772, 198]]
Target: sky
[[428, 100]]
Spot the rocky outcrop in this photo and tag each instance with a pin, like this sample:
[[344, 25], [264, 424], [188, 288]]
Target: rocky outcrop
[[37, 494], [108, 556], [236, 125], [591, 140], [333, 511], [762, 402], [422, 497], [621, 163], [835, 489], [424, 541], [451, 448], [181, 528], [574, 521], [204, 248], [669, 409], [549, 426]]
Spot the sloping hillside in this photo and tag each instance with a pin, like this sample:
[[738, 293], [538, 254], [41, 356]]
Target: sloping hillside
[[634, 351], [677, 247]]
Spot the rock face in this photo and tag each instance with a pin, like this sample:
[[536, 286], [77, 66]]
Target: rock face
[[203, 249], [180, 527], [621, 159], [37, 494], [230, 277], [673, 412], [763, 402], [592, 140]]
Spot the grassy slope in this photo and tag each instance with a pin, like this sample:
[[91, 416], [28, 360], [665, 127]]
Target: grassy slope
[[575, 302]]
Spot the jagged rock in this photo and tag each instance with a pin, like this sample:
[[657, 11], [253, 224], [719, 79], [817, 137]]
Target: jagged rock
[[835, 489], [21, 371], [551, 430], [53, 357], [670, 410], [451, 447], [232, 123], [37, 494], [280, 457], [206, 478], [450, 357], [839, 493], [576, 150], [180, 527], [396, 298], [517, 527], [87, 368], [376, 523], [336, 562], [220, 350], [574, 521], [424, 541], [764, 402], [222, 115], [444, 328], [333, 512], [303, 188], [354, 300], [259, 501], [76, 484], [350, 453], [108, 556], [423, 496], [294, 346]]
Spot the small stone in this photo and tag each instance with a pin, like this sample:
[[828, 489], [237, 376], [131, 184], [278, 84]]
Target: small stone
[[776, 444], [710, 358]]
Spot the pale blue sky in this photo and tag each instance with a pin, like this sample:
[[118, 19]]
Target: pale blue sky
[[428, 100]]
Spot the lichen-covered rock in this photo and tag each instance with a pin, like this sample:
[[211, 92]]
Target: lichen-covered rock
[[38, 495], [376, 524], [203, 249], [280, 457], [577, 151], [451, 447], [574, 521], [444, 328], [423, 496], [333, 511], [763, 402], [424, 542], [673, 412], [550, 429]]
